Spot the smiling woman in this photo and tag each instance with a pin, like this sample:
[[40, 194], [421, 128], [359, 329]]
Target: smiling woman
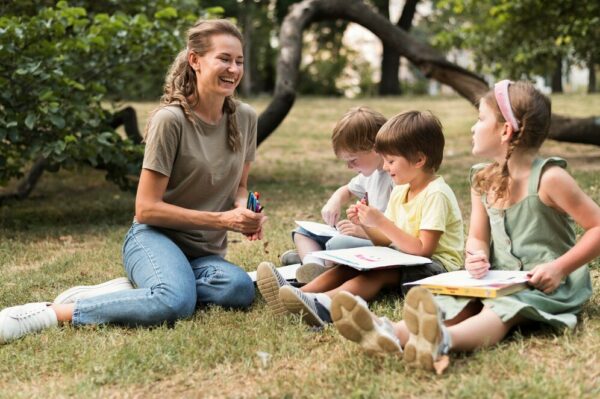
[[192, 190]]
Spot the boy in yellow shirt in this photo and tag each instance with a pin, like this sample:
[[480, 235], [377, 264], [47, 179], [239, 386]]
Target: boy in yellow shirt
[[422, 218]]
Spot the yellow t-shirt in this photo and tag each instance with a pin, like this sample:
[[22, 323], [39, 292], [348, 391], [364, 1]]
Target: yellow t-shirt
[[434, 208]]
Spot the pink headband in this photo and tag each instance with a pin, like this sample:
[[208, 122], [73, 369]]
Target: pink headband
[[501, 94]]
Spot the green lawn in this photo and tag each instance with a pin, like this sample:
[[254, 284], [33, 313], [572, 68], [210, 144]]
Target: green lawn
[[70, 232]]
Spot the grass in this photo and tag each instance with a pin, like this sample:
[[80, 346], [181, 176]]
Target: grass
[[70, 232]]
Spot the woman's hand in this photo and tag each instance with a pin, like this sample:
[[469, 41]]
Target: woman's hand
[[243, 220], [477, 263], [348, 228], [545, 277], [368, 216], [331, 213]]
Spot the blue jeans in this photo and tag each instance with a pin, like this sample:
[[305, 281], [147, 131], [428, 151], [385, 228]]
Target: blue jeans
[[169, 285], [337, 242]]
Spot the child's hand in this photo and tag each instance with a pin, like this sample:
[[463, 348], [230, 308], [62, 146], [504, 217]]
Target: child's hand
[[477, 263], [368, 216], [352, 214], [545, 277], [331, 213], [348, 228]]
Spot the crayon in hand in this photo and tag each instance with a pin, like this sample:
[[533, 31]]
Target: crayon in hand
[[365, 199]]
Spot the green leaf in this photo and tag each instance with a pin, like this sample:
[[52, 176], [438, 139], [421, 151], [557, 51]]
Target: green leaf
[[166, 13], [57, 121], [30, 121]]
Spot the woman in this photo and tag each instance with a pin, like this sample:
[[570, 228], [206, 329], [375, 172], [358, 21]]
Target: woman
[[192, 190]]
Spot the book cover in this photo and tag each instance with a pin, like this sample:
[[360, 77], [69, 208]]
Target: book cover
[[496, 283], [369, 258]]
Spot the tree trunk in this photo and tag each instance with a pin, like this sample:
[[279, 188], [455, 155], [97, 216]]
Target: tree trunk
[[246, 84], [557, 77], [390, 60], [592, 76], [431, 63]]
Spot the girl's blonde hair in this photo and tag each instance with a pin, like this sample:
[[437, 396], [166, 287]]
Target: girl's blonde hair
[[180, 82], [532, 109]]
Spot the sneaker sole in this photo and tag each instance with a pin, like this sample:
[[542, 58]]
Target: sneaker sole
[[296, 305], [290, 257], [269, 289], [355, 322], [421, 317], [307, 273], [82, 292]]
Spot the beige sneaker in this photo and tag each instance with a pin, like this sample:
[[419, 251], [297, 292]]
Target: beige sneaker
[[308, 272], [269, 281], [353, 319], [290, 257], [429, 341]]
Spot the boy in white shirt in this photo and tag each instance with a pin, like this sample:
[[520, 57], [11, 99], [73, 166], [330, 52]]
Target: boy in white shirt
[[353, 140]]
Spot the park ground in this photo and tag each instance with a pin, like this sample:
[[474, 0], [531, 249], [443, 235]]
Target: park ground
[[70, 231]]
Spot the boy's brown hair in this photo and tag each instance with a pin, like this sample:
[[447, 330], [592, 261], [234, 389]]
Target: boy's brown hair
[[356, 130], [410, 133]]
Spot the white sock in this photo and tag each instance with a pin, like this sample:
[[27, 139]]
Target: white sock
[[324, 300], [313, 259]]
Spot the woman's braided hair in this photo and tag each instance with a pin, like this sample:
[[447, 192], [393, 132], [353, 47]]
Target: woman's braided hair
[[180, 82]]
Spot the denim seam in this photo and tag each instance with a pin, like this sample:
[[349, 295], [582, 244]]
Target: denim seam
[[150, 257]]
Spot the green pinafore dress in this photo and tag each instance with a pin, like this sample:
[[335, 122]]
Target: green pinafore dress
[[523, 236]]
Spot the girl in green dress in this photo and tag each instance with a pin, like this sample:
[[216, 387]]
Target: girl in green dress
[[522, 209]]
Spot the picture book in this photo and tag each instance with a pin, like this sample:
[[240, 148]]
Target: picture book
[[494, 284], [288, 272], [369, 258], [319, 229]]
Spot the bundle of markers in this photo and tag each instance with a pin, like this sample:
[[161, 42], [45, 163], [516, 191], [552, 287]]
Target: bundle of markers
[[253, 203]]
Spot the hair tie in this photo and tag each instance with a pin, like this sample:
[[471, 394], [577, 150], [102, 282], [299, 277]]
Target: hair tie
[[501, 94]]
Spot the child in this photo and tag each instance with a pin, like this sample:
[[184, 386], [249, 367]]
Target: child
[[521, 203], [353, 139], [422, 218]]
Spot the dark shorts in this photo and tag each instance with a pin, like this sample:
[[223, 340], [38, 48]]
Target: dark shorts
[[414, 273], [321, 240]]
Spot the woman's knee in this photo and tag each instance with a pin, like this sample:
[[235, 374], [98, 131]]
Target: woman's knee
[[238, 293], [174, 303]]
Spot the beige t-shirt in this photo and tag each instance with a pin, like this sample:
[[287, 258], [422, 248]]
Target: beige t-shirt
[[204, 174], [434, 208]]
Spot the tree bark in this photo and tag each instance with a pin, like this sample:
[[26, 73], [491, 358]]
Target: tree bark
[[591, 76], [431, 63], [390, 60], [28, 183], [557, 77]]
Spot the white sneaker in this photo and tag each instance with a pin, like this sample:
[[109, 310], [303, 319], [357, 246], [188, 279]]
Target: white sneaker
[[18, 321], [353, 319], [89, 291], [429, 341], [269, 281]]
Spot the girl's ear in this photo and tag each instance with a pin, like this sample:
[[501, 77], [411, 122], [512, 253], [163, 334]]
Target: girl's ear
[[507, 133]]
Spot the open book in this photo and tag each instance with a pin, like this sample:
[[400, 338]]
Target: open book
[[494, 284], [369, 258], [319, 229], [288, 272]]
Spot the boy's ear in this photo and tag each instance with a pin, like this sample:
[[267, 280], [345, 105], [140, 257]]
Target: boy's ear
[[420, 160]]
